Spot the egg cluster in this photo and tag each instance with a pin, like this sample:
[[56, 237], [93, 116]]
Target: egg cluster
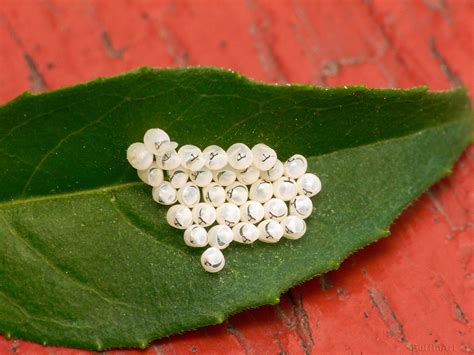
[[241, 194]]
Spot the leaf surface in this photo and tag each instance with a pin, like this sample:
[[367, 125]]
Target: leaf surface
[[86, 257]]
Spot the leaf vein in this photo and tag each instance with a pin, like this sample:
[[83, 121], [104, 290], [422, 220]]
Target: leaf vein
[[61, 142], [132, 224], [54, 267]]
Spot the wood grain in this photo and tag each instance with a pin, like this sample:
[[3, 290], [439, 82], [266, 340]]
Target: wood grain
[[409, 292]]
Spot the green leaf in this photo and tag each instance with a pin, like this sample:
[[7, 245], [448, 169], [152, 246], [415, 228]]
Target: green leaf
[[86, 257]]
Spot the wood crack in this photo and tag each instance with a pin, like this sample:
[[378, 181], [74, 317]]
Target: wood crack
[[37, 81], [303, 329], [388, 315], [238, 336], [448, 72], [267, 57], [36, 78], [111, 51]]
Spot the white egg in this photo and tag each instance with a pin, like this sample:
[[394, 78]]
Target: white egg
[[237, 193], [212, 260], [201, 177], [139, 156], [178, 177], [293, 227], [228, 214], [252, 212], [220, 236], [261, 191], [275, 209], [204, 214], [154, 139], [264, 157], [191, 157], [214, 194], [296, 166], [164, 193], [248, 176], [225, 176], [195, 236], [239, 156], [309, 185], [301, 206], [285, 188], [244, 232], [270, 231], [179, 216], [189, 195], [215, 156], [169, 160], [273, 173], [152, 176]]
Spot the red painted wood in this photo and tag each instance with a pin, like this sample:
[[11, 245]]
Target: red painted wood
[[413, 290]]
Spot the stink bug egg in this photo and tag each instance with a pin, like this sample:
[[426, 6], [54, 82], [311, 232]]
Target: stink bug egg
[[248, 176], [239, 156], [246, 233], [252, 212], [204, 214], [264, 157], [301, 206], [228, 214], [202, 177], [195, 236], [164, 193], [139, 156], [154, 139], [237, 193], [294, 227], [152, 176], [296, 166], [215, 156], [270, 231], [169, 160], [225, 176], [212, 260], [309, 185], [261, 191], [285, 188], [275, 209], [214, 194], [220, 236], [191, 157], [179, 216], [189, 195], [178, 177], [273, 173]]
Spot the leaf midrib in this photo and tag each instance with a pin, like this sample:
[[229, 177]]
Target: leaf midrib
[[115, 187]]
